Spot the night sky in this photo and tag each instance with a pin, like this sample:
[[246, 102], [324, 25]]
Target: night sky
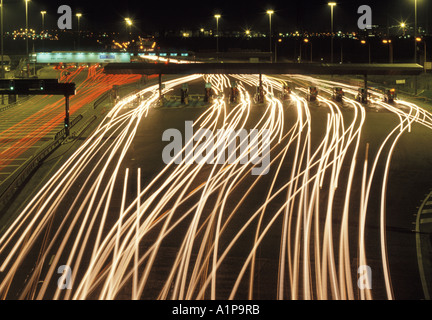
[[150, 16]]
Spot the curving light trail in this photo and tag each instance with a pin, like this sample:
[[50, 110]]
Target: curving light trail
[[117, 251]]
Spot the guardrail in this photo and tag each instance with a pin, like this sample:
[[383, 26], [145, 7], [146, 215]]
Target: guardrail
[[14, 182], [108, 94], [14, 104], [84, 126], [101, 99], [10, 186], [62, 132]]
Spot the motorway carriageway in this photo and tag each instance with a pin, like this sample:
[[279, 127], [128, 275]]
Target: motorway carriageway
[[207, 231], [27, 126]]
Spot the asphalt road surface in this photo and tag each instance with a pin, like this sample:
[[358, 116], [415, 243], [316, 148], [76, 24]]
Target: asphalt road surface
[[126, 225]]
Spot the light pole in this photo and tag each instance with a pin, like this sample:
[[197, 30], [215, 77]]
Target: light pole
[[27, 36], [2, 47], [129, 24], [27, 27], [79, 15], [217, 17], [332, 4], [369, 47], [270, 13], [418, 39], [2, 50], [415, 32], [390, 44], [276, 48], [305, 42], [43, 13], [403, 26]]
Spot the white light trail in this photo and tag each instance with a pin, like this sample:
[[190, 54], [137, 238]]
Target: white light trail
[[115, 240]]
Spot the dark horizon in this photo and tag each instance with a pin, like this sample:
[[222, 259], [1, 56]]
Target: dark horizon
[[313, 15]]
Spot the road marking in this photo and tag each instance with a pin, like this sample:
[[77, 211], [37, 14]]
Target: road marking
[[419, 253]]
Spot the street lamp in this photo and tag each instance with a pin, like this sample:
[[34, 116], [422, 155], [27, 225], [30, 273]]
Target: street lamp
[[79, 15], [43, 13], [2, 48], [332, 5], [390, 44], [217, 17], [306, 41], [27, 36], [129, 24], [270, 13], [363, 42], [415, 32], [403, 26], [27, 27], [418, 40]]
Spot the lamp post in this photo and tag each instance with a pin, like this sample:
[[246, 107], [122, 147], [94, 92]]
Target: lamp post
[[270, 13], [390, 44], [129, 24], [79, 15], [276, 48], [2, 50], [217, 17], [306, 41], [415, 32], [43, 13], [2, 45], [27, 27], [369, 47], [332, 5], [27, 36], [403, 26], [418, 40]]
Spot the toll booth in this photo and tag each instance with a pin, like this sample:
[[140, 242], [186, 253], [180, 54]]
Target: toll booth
[[390, 95], [208, 93], [12, 98], [259, 95], [115, 93], [312, 94], [362, 95], [234, 95], [338, 94], [286, 92], [185, 94]]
